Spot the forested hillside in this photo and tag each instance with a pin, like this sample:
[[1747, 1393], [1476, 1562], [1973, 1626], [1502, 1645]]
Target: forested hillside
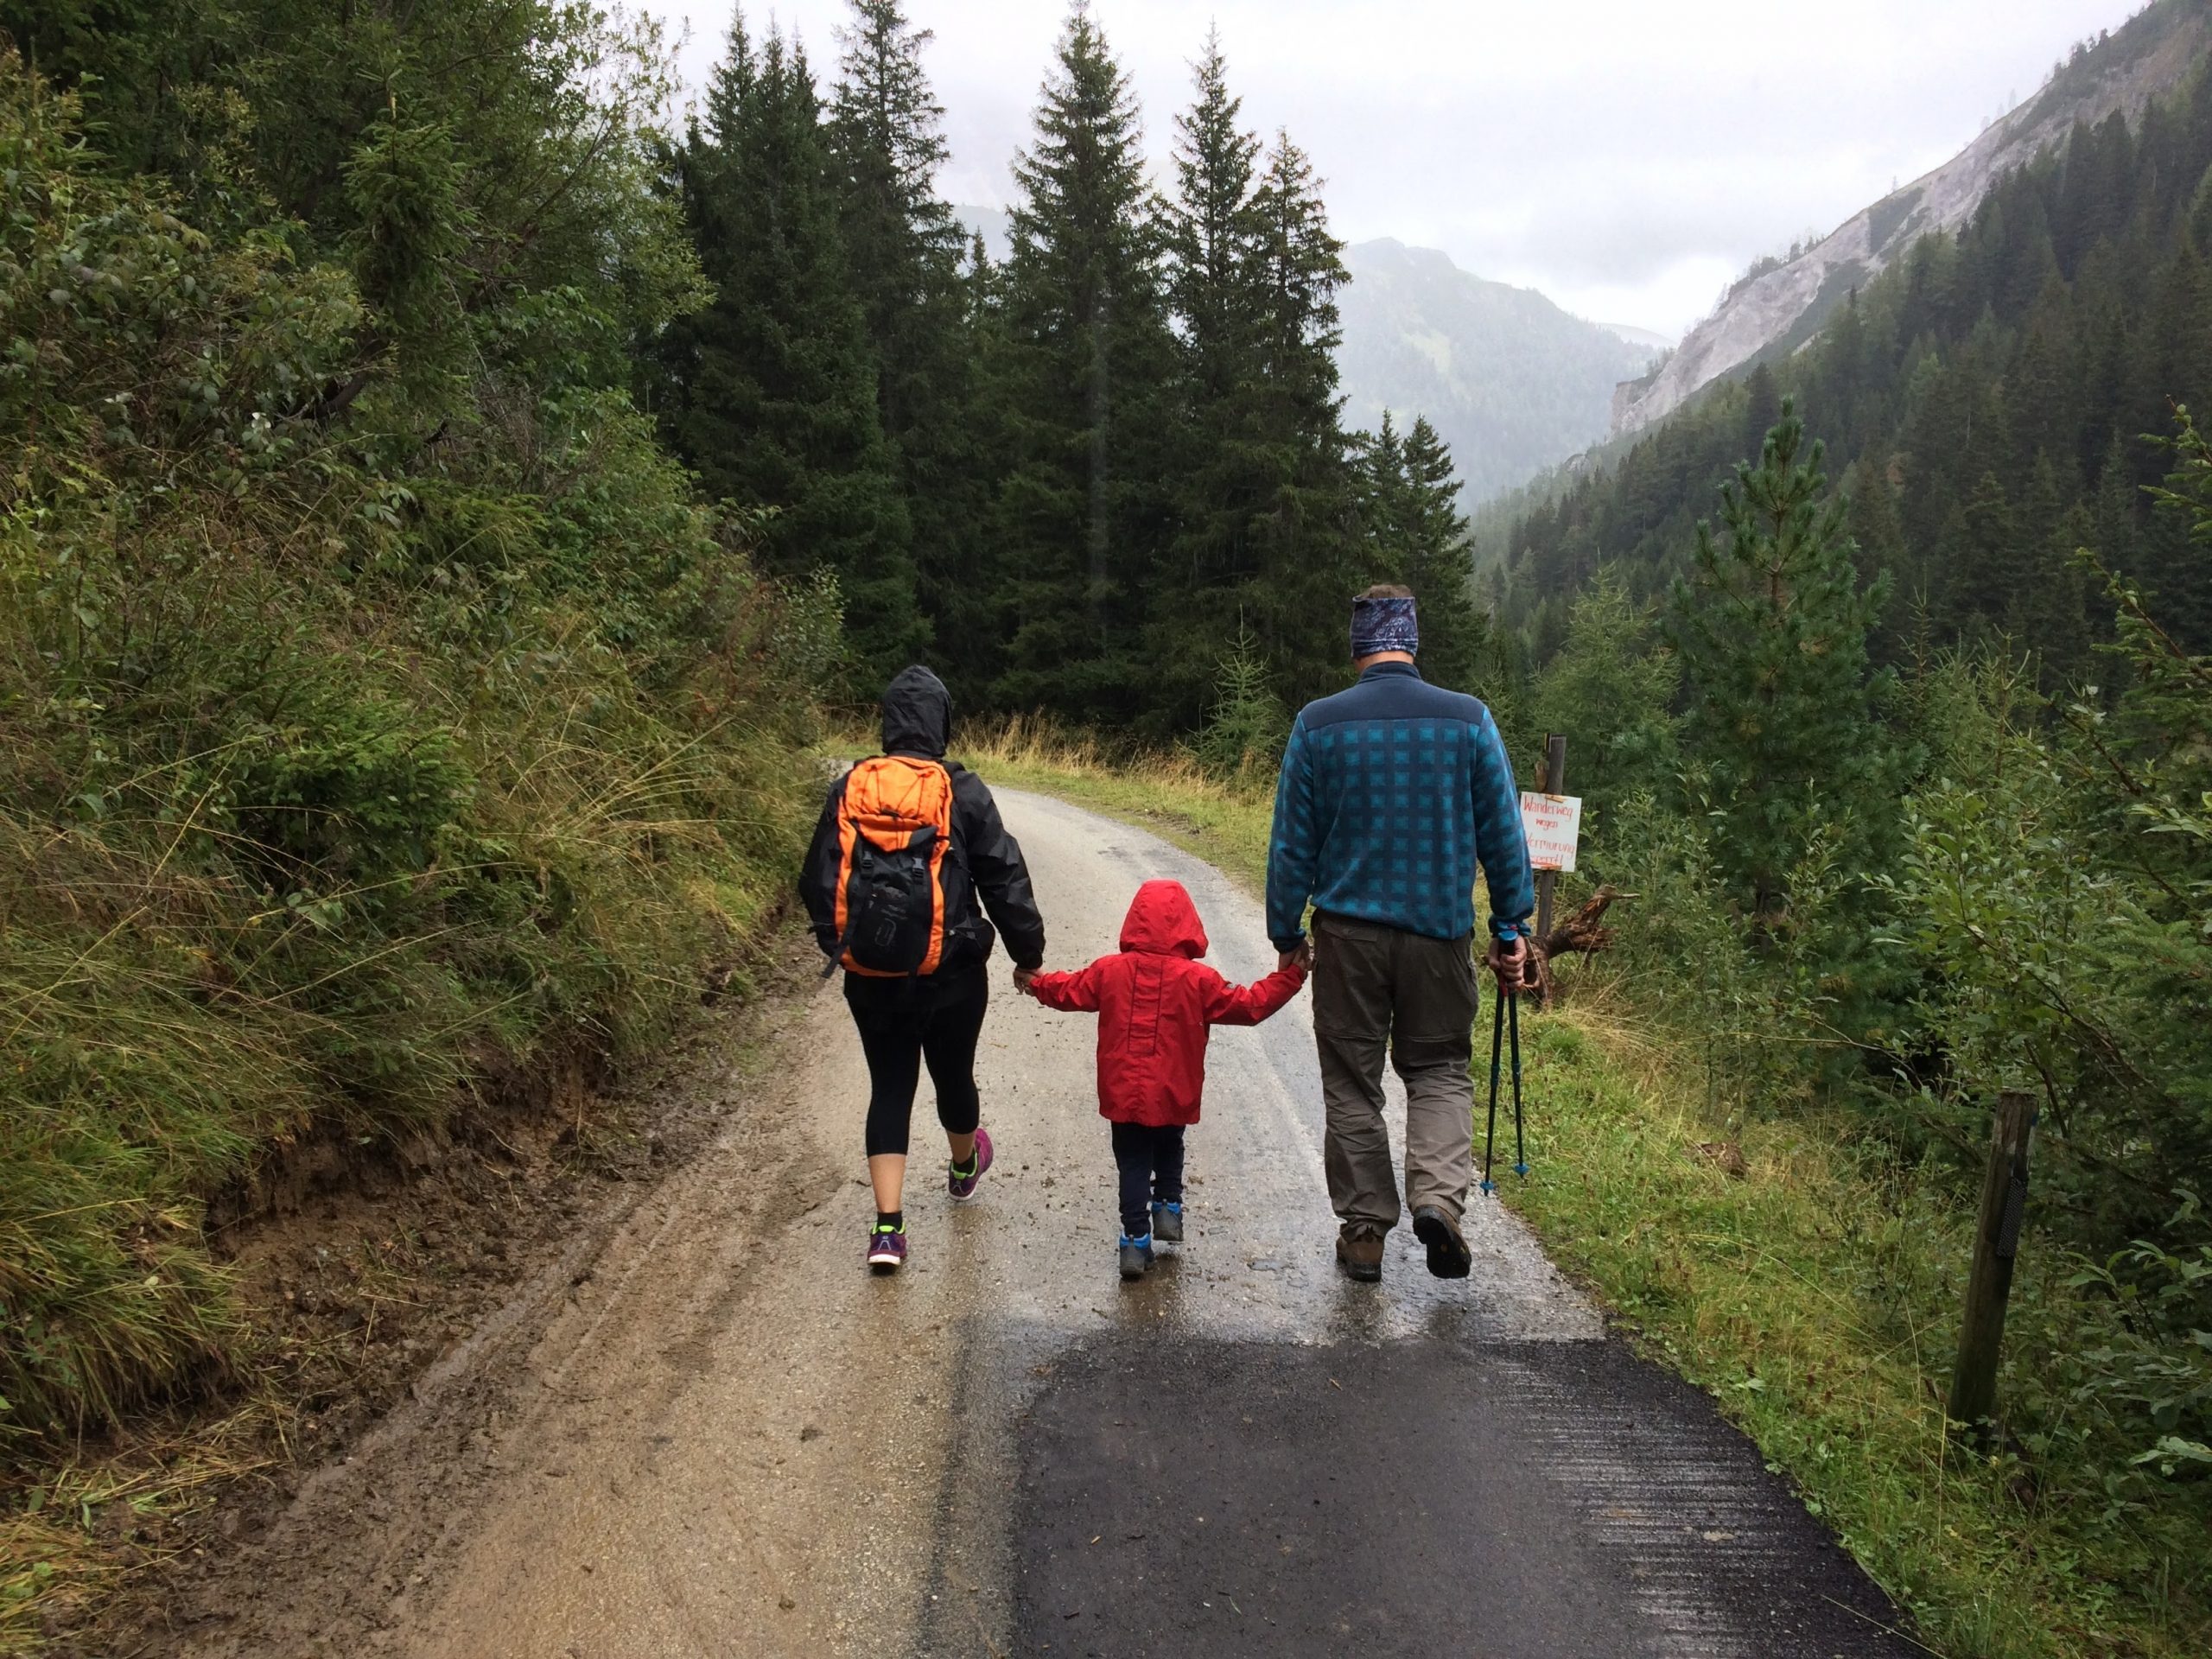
[[1883, 674], [1782, 300], [1087, 471], [381, 714], [1991, 403]]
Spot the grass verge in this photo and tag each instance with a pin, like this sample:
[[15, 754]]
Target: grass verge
[[1787, 1267]]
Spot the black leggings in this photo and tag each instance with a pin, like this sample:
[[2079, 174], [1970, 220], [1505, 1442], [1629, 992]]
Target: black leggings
[[904, 1021]]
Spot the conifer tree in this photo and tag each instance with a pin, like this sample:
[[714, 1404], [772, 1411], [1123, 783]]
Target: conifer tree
[[1086, 365], [1210, 275], [1415, 533], [1308, 553], [1771, 633], [1453, 630], [904, 251], [1263, 490], [771, 390]]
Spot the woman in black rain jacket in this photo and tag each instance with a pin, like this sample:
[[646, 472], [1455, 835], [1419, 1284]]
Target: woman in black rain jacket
[[934, 1017]]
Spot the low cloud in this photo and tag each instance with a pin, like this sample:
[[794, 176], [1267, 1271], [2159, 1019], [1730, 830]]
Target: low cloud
[[1611, 149]]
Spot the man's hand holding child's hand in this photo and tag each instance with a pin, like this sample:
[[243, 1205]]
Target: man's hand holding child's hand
[[1023, 977]]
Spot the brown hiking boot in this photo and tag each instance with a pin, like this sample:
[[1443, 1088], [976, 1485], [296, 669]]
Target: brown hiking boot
[[1448, 1254], [1359, 1253]]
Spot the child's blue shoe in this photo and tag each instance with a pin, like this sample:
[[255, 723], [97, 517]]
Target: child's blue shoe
[[1136, 1256], [1168, 1223]]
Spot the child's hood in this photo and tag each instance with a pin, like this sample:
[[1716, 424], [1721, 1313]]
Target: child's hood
[[1163, 922]]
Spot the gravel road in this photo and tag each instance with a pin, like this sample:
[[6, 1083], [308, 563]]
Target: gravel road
[[709, 1431]]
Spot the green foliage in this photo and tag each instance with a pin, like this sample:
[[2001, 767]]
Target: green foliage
[[1415, 535], [1611, 691], [1771, 636], [2029, 914], [341, 758], [1243, 739], [770, 392], [1084, 372]]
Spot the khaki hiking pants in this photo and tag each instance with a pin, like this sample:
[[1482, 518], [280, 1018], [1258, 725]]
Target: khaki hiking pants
[[1376, 987]]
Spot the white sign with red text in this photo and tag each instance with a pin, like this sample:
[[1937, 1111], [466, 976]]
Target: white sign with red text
[[1552, 825]]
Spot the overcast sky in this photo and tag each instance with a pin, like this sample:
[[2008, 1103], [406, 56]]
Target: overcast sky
[[1626, 157]]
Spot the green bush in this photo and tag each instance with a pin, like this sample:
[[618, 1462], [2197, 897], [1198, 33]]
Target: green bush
[[334, 764]]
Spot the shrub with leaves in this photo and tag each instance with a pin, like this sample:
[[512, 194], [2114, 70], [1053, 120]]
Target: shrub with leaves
[[341, 756]]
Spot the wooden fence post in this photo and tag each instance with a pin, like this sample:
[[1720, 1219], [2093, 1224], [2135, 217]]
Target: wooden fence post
[[1996, 1242]]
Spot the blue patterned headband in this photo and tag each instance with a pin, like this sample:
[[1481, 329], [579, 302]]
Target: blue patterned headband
[[1383, 625]]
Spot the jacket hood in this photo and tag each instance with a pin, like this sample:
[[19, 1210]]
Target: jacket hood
[[1163, 922], [917, 715]]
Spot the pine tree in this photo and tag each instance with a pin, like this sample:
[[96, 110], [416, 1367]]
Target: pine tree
[[1087, 362], [1308, 555], [1265, 493], [771, 391], [1772, 632], [1210, 236], [1218, 475], [1435, 563], [1414, 532], [904, 251]]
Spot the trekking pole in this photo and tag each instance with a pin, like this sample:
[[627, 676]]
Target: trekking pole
[[1497, 1042], [1520, 1146]]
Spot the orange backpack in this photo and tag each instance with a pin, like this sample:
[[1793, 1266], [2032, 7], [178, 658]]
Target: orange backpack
[[895, 832]]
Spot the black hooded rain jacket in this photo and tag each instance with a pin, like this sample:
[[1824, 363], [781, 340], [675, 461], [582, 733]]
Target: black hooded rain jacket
[[985, 860]]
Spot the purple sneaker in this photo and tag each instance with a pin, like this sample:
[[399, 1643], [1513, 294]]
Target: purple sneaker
[[887, 1250], [963, 1186]]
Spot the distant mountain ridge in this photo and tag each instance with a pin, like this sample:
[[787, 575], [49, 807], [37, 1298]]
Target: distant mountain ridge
[[1510, 381], [1779, 308]]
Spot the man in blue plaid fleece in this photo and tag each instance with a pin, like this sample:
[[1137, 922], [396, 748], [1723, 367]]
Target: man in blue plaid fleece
[[1391, 792]]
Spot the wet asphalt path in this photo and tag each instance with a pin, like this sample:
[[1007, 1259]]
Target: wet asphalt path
[[739, 1448]]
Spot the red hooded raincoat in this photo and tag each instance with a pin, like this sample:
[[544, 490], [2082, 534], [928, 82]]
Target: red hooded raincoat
[[1155, 1001]]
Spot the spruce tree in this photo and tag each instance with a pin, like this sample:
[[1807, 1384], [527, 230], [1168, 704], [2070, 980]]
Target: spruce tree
[[1216, 478], [1453, 631], [1308, 552], [1771, 633], [1087, 359], [770, 392], [1263, 491], [904, 251], [1415, 533]]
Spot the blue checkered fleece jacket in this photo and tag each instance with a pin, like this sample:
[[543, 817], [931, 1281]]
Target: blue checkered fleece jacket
[[1392, 792]]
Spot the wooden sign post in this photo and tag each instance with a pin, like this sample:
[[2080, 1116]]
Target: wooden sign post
[[1552, 824], [1547, 872]]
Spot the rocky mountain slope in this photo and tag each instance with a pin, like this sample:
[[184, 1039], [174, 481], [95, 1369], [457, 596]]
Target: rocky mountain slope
[[1778, 307]]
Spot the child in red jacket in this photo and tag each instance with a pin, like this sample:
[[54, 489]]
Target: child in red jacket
[[1155, 1004]]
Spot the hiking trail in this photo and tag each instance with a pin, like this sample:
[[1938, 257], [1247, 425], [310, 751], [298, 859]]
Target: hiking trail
[[705, 1430]]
